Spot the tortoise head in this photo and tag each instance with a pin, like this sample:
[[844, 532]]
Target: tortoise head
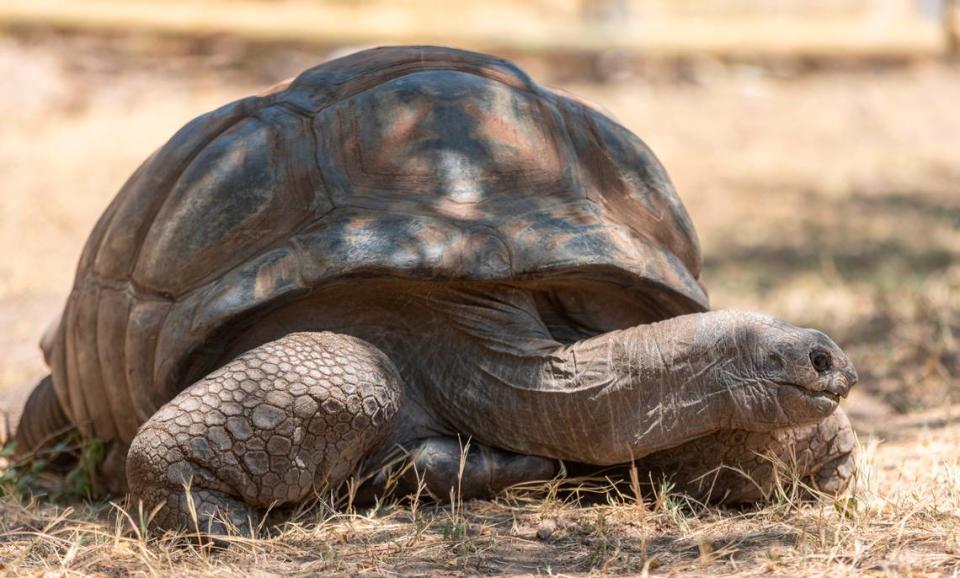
[[805, 371]]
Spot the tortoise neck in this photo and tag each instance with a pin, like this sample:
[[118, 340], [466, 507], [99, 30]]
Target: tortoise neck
[[616, 396]]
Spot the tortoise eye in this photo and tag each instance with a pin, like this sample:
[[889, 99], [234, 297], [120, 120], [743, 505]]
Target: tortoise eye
[[820, 360]]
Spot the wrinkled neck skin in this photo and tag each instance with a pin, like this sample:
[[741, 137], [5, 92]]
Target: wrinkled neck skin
[[624, 394]]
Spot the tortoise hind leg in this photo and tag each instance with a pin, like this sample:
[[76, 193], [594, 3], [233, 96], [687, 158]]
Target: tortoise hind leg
[[33, 420], [448, 467], [37, 424], [739, 467], [263, 430]]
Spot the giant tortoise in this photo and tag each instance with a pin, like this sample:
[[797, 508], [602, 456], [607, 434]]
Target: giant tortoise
[[399, 251]]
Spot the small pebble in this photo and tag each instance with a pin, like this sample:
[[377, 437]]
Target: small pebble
[[546, 529]]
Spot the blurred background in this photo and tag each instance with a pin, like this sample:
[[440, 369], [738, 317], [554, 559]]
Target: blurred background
[[816, 143]]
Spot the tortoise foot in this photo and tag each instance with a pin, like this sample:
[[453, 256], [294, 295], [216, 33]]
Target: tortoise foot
[[833, 446], [207, 512], [739, 467]]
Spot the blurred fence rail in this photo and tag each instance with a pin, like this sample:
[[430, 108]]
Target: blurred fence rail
[[822, 28]]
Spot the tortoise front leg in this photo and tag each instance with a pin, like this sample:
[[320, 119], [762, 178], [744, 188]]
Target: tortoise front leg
[[739, 467], [263, 430]]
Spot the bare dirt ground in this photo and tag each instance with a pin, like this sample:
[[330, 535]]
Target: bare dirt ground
[[830, 199]]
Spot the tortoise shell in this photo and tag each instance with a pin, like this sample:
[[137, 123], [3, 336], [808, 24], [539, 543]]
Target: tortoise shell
[[417, 162]]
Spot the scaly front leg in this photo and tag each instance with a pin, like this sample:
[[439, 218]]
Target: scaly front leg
[[264, 430]]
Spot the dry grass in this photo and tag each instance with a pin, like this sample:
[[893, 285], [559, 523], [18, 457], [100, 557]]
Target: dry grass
[[902, 520], [830, 200]]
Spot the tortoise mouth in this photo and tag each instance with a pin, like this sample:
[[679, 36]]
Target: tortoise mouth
[[827, 395], [824, 393], [833, 386], [823, 398]]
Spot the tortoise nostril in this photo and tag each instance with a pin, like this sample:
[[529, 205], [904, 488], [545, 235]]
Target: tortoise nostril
[[841, 382], [838, 384]]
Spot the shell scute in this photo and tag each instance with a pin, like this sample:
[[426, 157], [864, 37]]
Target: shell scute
[[113, 314], [232, 201], [443, 142], [144, 194], [353, 241], [341, 78], [626, 178], [144, 324]]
